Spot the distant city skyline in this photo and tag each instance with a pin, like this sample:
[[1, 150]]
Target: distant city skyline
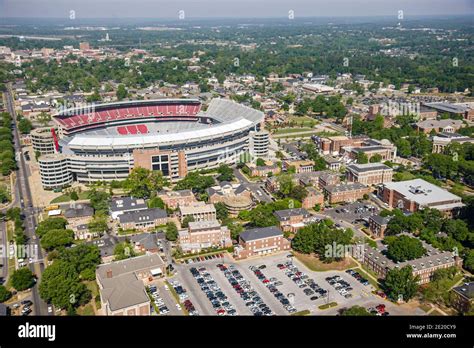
[[169, 9]]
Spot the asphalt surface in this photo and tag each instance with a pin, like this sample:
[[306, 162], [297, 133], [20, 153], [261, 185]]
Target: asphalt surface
[[24, 201]]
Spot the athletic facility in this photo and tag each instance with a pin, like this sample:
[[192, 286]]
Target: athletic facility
[[104, 142]]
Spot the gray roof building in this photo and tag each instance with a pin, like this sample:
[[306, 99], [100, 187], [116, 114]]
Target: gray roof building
[[79, 211], [140, 216], [283, 215], [260, 233]]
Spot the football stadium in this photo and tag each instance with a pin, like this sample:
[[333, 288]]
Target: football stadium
[[104, 142]]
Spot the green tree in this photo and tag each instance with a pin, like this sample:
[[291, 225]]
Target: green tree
[[156, 202], [61, 286], [187, 220], [74, 196], [225, 173], [402, 248], [299, 193], [5, 294], [124, 251], [400, 282], [376, 158], [121, 92], [221, 211], [25, 126], [50, 224], [171, 231], [143, 183], [22, 279], [57, 238], [195, 181], [323, 239], [98, 224], [99, 201], [362, 158], [260, 162]]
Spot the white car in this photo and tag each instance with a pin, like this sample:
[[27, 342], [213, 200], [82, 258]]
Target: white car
[[50, 309], [167, 288], [178, 306]]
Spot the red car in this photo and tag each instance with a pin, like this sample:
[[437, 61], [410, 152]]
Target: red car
[[265, 281], [381, 294], [221, 312]]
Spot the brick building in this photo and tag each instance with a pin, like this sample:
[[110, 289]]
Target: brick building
[[378, 224], [143, 220], [314, 197], [350, 192], [260, 241], [122, 284], [291, 220], [463, 298], [199, 211], [174, 199], [204, 234], [416, 194], [369, 174]]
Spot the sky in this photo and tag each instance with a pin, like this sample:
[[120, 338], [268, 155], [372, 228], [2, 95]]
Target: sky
[[230, 8]]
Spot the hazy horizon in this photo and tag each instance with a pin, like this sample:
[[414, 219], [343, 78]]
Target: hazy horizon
[[222, 9]]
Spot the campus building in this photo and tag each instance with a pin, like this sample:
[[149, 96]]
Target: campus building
[[350, 192], [291, 220], [369, 174], [260, 241], [105, 142], [416, 194], [204, 234]]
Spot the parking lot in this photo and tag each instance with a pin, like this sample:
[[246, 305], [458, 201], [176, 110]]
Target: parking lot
[[353, 212], [302, 288]]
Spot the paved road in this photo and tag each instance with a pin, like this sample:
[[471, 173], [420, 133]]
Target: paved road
[[25, 202], [3, 251]]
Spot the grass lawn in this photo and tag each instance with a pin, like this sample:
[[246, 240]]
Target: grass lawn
[[86, 310], [66, 198], [328, 305], [292, 130], [302, 313], [314, 264], [93, 287], [303, 121]]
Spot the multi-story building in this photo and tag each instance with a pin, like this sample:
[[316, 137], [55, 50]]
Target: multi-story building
[[301, 166], [172, 164], [442, 140], [199, 211], [54, 169], [122, 205], [463, 299], [333, 145], [43, 140], [372, 147], [350, 192], [424, 267], [204, 234], [260, 241], [106, 141], [175, 199], [235, 197], [378, 224], [291, 220], [416, 194], [143, 220], [255, 170], [314, 197], [258, 143], [439, 126], [328, 179], [369, 173], [122, 284]]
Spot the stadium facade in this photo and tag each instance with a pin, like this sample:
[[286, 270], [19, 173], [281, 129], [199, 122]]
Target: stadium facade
[[105, 142]]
